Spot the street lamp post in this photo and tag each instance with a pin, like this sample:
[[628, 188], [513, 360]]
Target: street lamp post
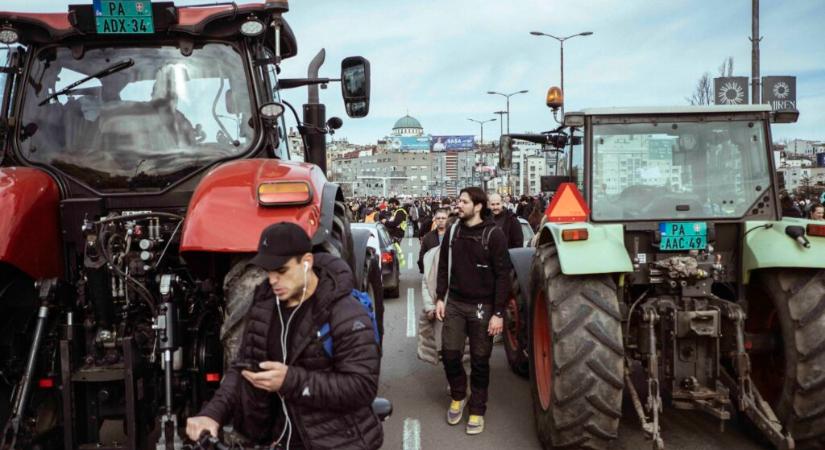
[[500, 121], [561, 44], [481, 124], [507, 96]]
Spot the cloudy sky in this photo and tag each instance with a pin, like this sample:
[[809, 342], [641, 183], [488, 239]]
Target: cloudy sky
[[438, 58]]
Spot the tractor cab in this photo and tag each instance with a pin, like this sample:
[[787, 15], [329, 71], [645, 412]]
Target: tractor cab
[[129, 97]]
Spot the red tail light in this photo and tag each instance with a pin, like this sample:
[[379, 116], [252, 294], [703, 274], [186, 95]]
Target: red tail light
[[213, 377], [816, 230], [386, 257], [45, 383]]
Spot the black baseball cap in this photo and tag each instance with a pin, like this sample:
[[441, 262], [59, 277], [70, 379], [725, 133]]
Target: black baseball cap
[[279, 243]]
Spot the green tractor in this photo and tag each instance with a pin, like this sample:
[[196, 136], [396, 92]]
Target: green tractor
[[679, 284]]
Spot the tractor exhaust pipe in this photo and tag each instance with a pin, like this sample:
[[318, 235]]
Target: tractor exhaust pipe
[[315, 116]]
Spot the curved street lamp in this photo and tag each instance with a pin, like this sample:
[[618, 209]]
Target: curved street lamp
[[561, 44], [481, 123], [507, 96]]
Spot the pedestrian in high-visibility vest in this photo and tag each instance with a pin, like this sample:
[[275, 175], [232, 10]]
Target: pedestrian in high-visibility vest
[[397, 223]]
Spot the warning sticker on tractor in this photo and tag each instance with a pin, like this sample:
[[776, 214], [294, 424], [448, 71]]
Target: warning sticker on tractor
[[678, 236], [124, 16]]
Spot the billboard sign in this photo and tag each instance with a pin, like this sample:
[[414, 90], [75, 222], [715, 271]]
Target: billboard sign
[[410, 143], [450, 143], [779, 92], [730, 90]]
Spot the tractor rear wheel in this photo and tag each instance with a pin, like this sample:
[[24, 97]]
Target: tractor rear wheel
[[797, 393], [515, 330], [576, 356]]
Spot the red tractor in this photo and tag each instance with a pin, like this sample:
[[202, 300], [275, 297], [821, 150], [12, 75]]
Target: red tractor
[[143, 148]]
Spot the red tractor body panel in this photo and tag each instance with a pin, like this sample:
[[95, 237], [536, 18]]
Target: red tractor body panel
[[224, 214], [29, 222]]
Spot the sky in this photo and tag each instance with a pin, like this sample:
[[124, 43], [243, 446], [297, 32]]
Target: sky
[[436, 59]]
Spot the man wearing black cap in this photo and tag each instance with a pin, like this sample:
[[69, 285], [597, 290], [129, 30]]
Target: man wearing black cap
[[286, 387]]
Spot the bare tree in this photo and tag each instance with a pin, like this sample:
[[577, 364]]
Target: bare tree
[[726, 69], [703, 93]]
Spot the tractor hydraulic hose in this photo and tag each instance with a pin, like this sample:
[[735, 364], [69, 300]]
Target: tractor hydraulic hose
[[139, 216], [142, 291]]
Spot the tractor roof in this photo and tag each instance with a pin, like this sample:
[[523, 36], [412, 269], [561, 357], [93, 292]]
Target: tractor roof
[[657, 110], [209, 21]]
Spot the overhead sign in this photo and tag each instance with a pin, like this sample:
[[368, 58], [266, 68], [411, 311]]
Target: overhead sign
[[730, 90], [124, 17], [445, 143], [779, 92], [567, 206], [410, 143]]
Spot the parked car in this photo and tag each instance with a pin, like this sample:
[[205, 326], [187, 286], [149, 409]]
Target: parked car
[[527, 231], [381, 243]]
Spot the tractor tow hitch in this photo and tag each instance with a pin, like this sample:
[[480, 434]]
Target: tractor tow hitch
[[749, 400]]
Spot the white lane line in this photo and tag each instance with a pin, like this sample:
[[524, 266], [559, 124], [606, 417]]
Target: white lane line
[[412, 434], [410, 262], [410, 312]]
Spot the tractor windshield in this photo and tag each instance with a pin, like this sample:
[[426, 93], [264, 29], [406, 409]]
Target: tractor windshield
[[147, 117], [684, 170]]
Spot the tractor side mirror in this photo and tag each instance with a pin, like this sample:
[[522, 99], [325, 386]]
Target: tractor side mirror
[[355, 85], [505, 152]]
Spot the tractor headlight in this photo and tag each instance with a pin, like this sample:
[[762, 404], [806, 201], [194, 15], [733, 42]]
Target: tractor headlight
[[252, 27], [8, 36]]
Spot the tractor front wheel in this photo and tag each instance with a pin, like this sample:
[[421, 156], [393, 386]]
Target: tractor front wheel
[[795, 389], [576, 356]]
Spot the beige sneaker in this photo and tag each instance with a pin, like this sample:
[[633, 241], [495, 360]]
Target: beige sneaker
[[456, 411], [475, 425]]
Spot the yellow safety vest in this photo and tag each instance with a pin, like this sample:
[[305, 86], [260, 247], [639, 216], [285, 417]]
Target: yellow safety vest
[[402, 225]]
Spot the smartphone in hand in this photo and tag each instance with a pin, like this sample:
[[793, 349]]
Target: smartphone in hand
[[245, 364]]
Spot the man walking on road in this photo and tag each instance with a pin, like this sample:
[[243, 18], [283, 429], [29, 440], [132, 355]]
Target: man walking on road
[[433, 238], [286, 389], [507, 221], [474, 269]]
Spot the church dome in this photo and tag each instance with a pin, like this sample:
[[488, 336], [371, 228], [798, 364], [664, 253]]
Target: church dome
[[407, 122]]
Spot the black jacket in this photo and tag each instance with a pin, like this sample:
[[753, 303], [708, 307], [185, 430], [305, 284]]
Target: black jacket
[[509, 224], [329, 399], [477, 276], [429, 241]]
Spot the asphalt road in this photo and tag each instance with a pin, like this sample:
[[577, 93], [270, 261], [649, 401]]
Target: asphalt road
[[418, 391]]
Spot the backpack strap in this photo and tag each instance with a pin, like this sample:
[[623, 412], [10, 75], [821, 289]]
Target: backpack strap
[[453, 233]]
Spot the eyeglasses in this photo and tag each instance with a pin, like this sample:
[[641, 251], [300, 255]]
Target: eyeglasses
[[440, 218]]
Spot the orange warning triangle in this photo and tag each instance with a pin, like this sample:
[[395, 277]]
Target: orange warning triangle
[[567, 206]]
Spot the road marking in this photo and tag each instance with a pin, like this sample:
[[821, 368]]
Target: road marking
[[410, 263], [410, 312], [412, 434]]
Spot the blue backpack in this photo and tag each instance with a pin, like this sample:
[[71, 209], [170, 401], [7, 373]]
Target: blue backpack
[[365, 301]]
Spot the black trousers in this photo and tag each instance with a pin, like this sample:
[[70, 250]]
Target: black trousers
[[463, 320]]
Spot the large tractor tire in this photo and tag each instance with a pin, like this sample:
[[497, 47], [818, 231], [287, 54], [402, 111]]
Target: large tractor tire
[[18, 313], [515, 330], [576, 356], [239, 288], [793, 379]]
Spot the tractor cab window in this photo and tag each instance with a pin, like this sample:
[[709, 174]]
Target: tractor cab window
[[135, 118], [685, 170]]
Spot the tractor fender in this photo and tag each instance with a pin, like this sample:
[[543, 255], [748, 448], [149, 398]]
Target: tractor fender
[[224, 214], [602, 252], [359, 246], [522, 261], [767, 246], [29, 222], [329, 195]]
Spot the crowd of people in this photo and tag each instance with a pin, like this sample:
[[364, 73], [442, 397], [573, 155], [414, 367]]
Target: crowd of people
[[418, 213], [802, 207]]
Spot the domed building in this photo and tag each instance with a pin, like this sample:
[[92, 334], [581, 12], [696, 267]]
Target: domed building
[[407, 126]]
